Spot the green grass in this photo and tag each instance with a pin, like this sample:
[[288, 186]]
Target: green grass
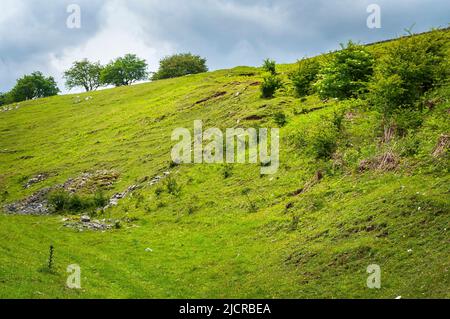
[[244, 236]]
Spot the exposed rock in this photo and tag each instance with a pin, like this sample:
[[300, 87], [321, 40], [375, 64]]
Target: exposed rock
[[36, 179], [85, 219], [91, 181], [95, 225], [36, 204]]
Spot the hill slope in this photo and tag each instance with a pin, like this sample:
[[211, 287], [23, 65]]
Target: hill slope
[[310, 230]]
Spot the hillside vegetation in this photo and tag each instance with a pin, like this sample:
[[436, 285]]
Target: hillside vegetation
[[225, 231]]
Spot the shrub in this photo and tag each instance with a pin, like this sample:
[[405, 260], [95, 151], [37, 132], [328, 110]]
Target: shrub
[[158, 191], [270, 66], [179, 65], [270, 85], [338, 120], [227, 170], [63, 201], [304, 77], [100, 200], [33, 86], [325, 143], [172, 186], [346, 73], [280, 119], [410, 146], [408, 120], [3, 98], [59, 200], [410, 68], [124, 71]]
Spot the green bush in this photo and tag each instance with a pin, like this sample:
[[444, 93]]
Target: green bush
[[180, 65], [304, 77], [63, 201], [338, 120], [270, 66], [408, 120], [172, 186], [320, 141], [280, 119], [59, 200], [33, 86], [346, 73], [270, 85], [100, 200], [409, 146], [324, 144], [158, 191], [410, 67], [227, 170], [3, 98]]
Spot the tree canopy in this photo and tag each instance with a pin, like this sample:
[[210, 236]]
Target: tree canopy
[[84, 74], [124, 71], [346, 73], [32, 86], [180, 65]]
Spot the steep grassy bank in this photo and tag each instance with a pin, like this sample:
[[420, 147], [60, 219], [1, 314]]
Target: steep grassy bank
[[310, 230]]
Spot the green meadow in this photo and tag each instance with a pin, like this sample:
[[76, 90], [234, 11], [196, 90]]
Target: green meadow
[[224, 230]]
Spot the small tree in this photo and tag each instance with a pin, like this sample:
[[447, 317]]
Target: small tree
[[33, 86], [304, 77], [84, 74], [270, 85], [417, 63], [3, 98], [270, 66], [124, 71], [410, 67], [346, 73], [271, 81], [180, 65]]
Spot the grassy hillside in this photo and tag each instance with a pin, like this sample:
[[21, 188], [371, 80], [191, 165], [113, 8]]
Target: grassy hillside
[[310, 230]]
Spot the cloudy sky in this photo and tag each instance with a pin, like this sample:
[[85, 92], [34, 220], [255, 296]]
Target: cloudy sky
[[34, 33]]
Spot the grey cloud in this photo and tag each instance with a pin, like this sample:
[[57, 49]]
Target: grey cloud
[[228, 33], [37, 29]]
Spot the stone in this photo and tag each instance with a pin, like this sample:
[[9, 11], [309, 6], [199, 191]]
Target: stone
[[85, 219]]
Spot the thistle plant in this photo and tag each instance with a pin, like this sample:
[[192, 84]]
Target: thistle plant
[[50, 258]]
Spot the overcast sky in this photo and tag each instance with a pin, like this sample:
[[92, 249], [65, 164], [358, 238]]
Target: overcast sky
[[34, 34]]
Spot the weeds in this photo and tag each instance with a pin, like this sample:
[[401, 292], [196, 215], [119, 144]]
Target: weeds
[[63, 201]]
